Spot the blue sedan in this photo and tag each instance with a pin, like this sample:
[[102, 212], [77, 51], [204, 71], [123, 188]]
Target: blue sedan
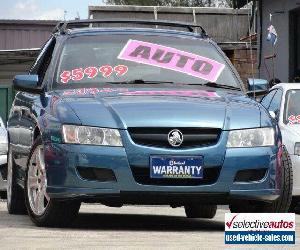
[[139, 116]]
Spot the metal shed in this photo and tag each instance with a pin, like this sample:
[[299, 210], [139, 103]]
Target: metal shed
[[222, 24], [24, 34]]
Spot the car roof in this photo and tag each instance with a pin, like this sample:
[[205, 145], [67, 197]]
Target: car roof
[[87, 31], [287, 86]]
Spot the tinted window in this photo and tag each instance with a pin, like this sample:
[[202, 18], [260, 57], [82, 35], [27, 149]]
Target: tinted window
[[276, 101], [92, 61], [267, 99]]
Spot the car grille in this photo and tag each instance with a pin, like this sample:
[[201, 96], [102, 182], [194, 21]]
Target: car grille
[[142, 176], [158, 137]]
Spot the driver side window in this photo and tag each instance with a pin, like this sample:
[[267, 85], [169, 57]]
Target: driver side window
[[276, 102]]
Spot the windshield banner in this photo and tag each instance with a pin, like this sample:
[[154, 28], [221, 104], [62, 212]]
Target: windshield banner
[[171, 58]]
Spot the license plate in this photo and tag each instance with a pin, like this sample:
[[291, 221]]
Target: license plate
[[176, 167]]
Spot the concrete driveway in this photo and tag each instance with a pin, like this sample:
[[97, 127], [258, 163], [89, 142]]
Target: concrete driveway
[[135, 227]]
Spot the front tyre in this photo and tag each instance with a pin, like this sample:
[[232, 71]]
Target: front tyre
[[200, 211], [282, 204], [15, 194], [42, 210]]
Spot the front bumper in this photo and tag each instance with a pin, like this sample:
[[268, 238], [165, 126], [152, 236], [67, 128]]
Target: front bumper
[[64, 181]]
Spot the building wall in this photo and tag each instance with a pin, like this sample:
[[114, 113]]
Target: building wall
[[17, 39], [241, 59], [222, 24], [282, 48], [24, 34]]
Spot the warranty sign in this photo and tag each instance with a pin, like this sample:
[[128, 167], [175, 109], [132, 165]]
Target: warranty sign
[[176, 167], [172, 59]]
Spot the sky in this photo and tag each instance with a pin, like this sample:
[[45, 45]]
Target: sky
[[45, 9]]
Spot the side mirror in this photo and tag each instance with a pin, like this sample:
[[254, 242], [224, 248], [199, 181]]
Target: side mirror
[[27, 83], [274, 114], [258, 84], [257, 87]]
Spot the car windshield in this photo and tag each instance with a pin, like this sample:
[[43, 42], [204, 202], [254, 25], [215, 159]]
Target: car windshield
[[292, 107], [98, 60]]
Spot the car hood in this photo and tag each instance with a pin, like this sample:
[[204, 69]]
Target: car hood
[[123, 108]]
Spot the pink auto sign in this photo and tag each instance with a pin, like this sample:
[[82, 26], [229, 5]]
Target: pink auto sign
[[172, 59]]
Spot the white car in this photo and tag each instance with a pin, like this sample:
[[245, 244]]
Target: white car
[[283, 103], [3, 158]]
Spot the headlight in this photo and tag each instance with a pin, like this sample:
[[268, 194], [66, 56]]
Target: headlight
[[297, 148], [259, 137], [91, 135]]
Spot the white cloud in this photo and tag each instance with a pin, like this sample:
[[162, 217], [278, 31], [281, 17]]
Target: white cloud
[[29, 9], [29, 5], [55, 14]]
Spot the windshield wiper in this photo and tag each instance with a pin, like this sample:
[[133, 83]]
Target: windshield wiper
[[220, 86], [214, 85], [208, 84], [139, 81]]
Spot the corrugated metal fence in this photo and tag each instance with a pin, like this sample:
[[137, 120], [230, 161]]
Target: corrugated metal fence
[[222, 24], [24, 34]]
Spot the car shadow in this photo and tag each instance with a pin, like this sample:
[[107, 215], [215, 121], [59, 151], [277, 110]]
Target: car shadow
[[123, 222]]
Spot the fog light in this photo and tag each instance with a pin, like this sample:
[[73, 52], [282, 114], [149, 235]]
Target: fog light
[[96, 174], [250, 175]]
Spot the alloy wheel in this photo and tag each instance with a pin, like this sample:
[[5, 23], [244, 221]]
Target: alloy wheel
[[37, 182]]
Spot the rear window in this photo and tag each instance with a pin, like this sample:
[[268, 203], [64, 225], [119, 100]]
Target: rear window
[[292, 107], [95, 60]]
